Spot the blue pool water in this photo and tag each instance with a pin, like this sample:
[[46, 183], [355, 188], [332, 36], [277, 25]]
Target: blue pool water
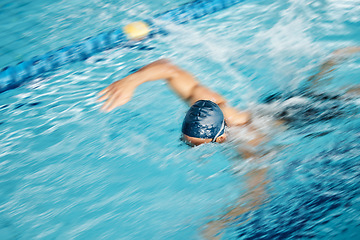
[[69, 171]]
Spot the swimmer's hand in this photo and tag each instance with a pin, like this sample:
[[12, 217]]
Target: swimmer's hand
[[118, 93]]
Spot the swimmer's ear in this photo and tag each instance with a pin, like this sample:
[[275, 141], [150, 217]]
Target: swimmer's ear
[[221, 138]]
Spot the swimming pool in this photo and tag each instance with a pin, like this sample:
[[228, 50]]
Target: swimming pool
[[69, 171]]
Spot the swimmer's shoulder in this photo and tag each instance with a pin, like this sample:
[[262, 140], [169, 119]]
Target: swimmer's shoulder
[[234, 117]]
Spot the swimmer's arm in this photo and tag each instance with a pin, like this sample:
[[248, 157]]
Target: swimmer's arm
[[256, 184], [182, 82], [337, 57], [121, 91]]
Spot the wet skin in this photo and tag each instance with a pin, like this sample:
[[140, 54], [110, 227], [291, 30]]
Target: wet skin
[[193, 141]]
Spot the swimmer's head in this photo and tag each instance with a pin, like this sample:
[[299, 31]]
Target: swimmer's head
[[204, 123]]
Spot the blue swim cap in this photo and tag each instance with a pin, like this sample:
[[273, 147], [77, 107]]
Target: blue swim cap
[[204, 120]]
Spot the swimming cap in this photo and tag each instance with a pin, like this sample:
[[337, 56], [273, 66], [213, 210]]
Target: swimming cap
[[204, 120]]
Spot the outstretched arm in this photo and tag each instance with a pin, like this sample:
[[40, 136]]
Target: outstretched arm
[[337, 57], [182, 82], [256, 184]]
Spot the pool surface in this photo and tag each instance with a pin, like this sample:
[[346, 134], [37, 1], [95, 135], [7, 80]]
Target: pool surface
[[70, 171]]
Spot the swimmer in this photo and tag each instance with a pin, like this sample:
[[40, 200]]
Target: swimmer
[[206, 120], [208, 115]]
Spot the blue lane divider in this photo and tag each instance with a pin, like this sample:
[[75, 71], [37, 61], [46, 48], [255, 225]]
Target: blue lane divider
[[195, 9], [14, 76]]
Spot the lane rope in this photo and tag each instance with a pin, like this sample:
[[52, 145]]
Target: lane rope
[[14, 76]]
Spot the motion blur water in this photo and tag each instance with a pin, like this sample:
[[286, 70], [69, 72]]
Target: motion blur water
[[69, 171]]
